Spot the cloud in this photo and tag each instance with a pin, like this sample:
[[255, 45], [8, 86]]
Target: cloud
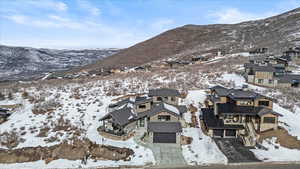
[[234, 15], [50, 4], [19, 19], [86, 5]]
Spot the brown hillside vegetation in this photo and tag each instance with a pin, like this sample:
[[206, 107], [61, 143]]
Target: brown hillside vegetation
[[283, 138], [276, 33]]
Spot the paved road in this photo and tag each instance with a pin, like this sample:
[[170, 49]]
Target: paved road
[[235, 151], [168, 154], [260, 166]]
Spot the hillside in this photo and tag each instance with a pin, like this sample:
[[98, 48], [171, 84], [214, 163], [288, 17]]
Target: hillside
[[276, 33], [22, 62]]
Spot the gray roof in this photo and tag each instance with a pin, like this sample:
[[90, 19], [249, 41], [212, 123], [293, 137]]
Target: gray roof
[[221, 91], [267, 111], [163, 92], [165, 127], [236, 93], [163, 107], [122, 116], [289, 78]]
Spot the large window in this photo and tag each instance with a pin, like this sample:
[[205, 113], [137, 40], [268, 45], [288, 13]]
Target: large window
[[269, 120], [142, 123], [263, 103], [164, 118], [142, 106]]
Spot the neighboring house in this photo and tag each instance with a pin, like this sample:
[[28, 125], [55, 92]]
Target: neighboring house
[[170, 96], [238, 113], [157, 114], [199, 58], [270, 72], [4, 114], [176, 64], [291, 54], [258, 51]]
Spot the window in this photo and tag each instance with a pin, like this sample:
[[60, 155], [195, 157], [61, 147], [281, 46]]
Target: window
[[263, 103], [164, 118], [260, 80], [245, 103], [269, 120], [142, 123], [159, 99], [142, 106], [270, 81], [173, 99]]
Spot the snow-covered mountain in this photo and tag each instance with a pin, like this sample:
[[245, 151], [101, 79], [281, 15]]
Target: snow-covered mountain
[[24, 62]]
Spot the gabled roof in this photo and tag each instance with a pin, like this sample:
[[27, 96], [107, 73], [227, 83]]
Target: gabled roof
[[267, 111], [122, 116], [163, 92], [165, 127], [236, 93], [163, 107]]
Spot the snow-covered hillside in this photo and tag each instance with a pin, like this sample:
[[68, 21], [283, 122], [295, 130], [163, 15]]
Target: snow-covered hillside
[[23, 63], [76, 107]]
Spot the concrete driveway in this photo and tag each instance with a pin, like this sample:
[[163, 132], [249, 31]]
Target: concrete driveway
[[167, 154]]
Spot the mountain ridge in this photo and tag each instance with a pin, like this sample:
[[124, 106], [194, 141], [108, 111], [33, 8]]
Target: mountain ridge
[[275, 32]]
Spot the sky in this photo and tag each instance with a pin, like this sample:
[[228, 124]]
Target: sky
[[77, 24]]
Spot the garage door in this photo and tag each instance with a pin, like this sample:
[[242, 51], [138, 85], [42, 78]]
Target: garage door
[[218, 132], [164, 137], [230, 133]]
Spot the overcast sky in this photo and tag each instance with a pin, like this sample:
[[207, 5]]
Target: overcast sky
[[118, 23]]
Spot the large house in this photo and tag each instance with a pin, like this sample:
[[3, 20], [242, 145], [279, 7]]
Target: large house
[[238, 113], [270, 72], [158, 114]]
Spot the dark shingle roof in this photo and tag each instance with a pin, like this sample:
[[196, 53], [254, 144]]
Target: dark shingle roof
[[211, 121], [163, 107], [235, 93], [163, 92], [232, 109], [122, 116], [267, 111], [165, 127]]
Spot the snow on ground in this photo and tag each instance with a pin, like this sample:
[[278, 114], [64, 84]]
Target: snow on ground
[[203, 149], [290, 118], [238, 81], [276, 152], [83, 113]]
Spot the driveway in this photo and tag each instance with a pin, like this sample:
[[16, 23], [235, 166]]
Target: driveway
[[262, 166], [167, 154], [235, 151]]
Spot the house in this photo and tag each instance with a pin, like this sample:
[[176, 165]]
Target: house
[[270, 72], [199, 58], [167, 95], [158, 115], [176, 64], [258, 51], [292, 53], [4, 114], [238, 113]]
